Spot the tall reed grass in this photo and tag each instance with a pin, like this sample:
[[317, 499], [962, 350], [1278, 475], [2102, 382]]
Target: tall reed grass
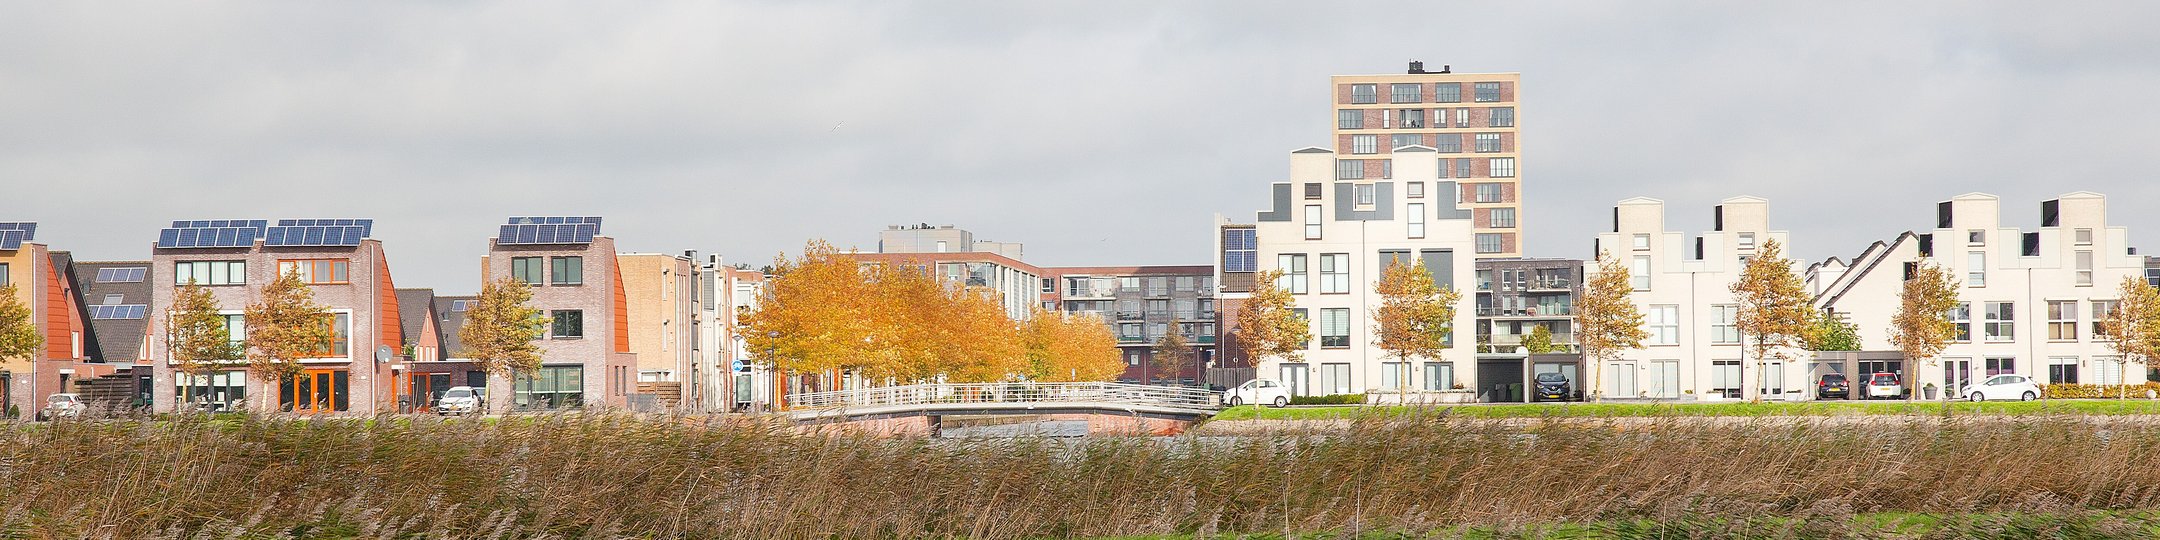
[[612, 476]]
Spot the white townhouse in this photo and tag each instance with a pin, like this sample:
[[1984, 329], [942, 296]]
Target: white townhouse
[[1332, 234], [1682, 286], [2030, 300]]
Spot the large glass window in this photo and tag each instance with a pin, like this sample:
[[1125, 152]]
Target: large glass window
[[1961, 322], [1439, 376], [1416, 213], [1391, 375], [1349, 119], [1349, 169], [1500, 167], [1490, 193], [2084, 268], [1500, 117], [1448, 143], [1405, 93], [1723, 327], [318, 271], [1400, 140], [210, 272], [528, 270], [1488, 91], [2001, 321], [1312, 222], [1725, 378], [1293, 276], [1664, 325], [2062, 370], [1447, 92], [1488, 142], [340, 344], [214, 391], [1976, 269], [2101, 311], [1639, 272], [1364, 93], [2001, 366], [552, 387], [567, 323], [567, 270], [1502, 218], [1334, 273], [1335, 379], [1334, 327], [2062, 320], [1488, 243], [1410, 118], [1462, 168], [1364, 144]]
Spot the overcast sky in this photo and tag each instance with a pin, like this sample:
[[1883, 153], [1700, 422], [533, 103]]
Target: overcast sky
[[1095, 132]]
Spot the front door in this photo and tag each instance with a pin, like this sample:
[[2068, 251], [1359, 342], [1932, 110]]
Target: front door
[[1956, 374], [1294, 379], [316, 391]]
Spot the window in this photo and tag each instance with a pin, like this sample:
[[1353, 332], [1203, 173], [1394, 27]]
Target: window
[[1462, 168], [340, 336], [1334, 273], [2084, 268], [1664, 323], [2062, 320], [1439, 376], [1335, 378], [1462, 118], [1976, 269], [1411, 118], [1129, 284], [1391, 374], [217, 391], [568, 323], [1725, 378], [1400, 140], [2001, 366], [1349, 119], [1129, 330], [1391, 257], [1364, 144], [1414, 190], [1363, 194], [528, 270], [4, 275], [1489, 193], [2083, 237], [1312, 222], [1961, 322], [568, 270], [2062, 370], [1240, 251], [1405, 93], [1364, 93], [1724, 329], [1664, 379], [209, 272], [1158, 307], [1771, 380], [1642, 242], [1312, 190], [1158, 286], [2110, 371], [1334, 327], [1447, 92], [1976, 237], [1387, 168], [1448, 143], [1488, 91], [1502, 218], [1155, 331], [1500, 117], [2101, 311], [1488, 142], [108, 275], [2001, 321], [1417, 219], [1747, 241], [1500, 167], [1639, 272], [317, 271], [551, 387], [1488, 243], [1349, 169], [1293, 276], [236, 328], [1182, 284]]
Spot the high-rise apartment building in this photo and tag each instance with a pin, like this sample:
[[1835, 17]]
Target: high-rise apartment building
[[1468, 119]]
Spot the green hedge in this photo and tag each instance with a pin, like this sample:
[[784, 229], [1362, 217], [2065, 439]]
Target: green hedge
[[2083, 391], [1337, 399]]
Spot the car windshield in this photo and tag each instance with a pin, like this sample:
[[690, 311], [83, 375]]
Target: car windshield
[[1551, 378], [59, 399], [458, 393]]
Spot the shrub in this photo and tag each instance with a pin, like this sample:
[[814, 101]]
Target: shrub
[[2089, 391], [1337, 399]]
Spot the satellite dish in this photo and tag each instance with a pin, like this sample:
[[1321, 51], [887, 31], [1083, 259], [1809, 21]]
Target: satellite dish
[[383, 353]]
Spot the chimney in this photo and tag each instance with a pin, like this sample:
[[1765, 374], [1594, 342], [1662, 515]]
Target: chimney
[[1444, 68], [1416, 67]]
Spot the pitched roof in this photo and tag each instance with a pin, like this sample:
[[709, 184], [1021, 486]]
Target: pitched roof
[[448, 322], [116, 341], [415, 307], [1861, 266]]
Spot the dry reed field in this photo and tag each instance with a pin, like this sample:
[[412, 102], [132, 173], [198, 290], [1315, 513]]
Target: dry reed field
[[609, 476]]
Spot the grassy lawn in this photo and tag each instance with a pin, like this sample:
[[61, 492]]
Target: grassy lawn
[[1804, 408]]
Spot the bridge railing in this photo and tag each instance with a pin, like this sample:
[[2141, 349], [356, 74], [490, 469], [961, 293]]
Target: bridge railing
[[1010, 392]]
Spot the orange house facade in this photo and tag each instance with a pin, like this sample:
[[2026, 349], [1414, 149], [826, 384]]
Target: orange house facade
[[41, 282]]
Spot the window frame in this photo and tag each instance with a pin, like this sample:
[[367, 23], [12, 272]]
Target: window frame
[[1349, 119], [1334, 273], [1500, 167], [1331, 321], [556, 322], [1662, 322], [536, 267], [1313, 219], [576, 266], [1371, 94], [1999, 322]]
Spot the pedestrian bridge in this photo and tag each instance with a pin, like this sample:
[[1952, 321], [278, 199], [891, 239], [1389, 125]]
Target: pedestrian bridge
[[919, 408]]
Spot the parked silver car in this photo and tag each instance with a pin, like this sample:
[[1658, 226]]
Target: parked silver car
[[461, 400], [60, 406]]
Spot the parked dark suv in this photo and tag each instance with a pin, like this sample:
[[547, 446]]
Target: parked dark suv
[[1554, 387], [1833, 386]]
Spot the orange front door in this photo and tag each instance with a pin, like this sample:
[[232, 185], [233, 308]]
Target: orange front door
[[317, 391]]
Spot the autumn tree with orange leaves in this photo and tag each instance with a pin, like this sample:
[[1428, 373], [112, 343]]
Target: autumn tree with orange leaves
[[1070, 348]]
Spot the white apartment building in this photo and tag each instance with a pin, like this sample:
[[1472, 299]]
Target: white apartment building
[[1332, 238], [2031, 301], [1683, 289]]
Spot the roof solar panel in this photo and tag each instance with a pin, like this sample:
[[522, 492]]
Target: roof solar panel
[[549, 230], [29, 228], [12, 240]]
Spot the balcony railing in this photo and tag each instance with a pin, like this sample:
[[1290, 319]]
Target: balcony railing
[[1205, 340], [1551, 284], [1131, 339], [1532, 311], [1128, 314]]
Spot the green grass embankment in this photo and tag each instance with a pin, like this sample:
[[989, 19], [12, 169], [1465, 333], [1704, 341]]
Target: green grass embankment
[[1740, 409]]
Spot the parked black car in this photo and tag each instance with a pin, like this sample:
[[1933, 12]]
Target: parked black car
[[1833, 386], [1554, 386]]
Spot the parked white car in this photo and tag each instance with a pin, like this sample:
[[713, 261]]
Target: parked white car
[[2018, 387], [460, 400], [1258, 391], [60, 406], [1883, 385]]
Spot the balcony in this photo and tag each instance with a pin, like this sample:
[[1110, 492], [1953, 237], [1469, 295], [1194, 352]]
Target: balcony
[[1205, 340], [1531, 311], [1126, 315], [1131, 339], [1552, 285]]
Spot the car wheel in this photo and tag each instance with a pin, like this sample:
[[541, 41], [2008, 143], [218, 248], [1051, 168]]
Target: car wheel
[[1281, 402], [1236, 401], [1977, 397], [2027, 397]]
